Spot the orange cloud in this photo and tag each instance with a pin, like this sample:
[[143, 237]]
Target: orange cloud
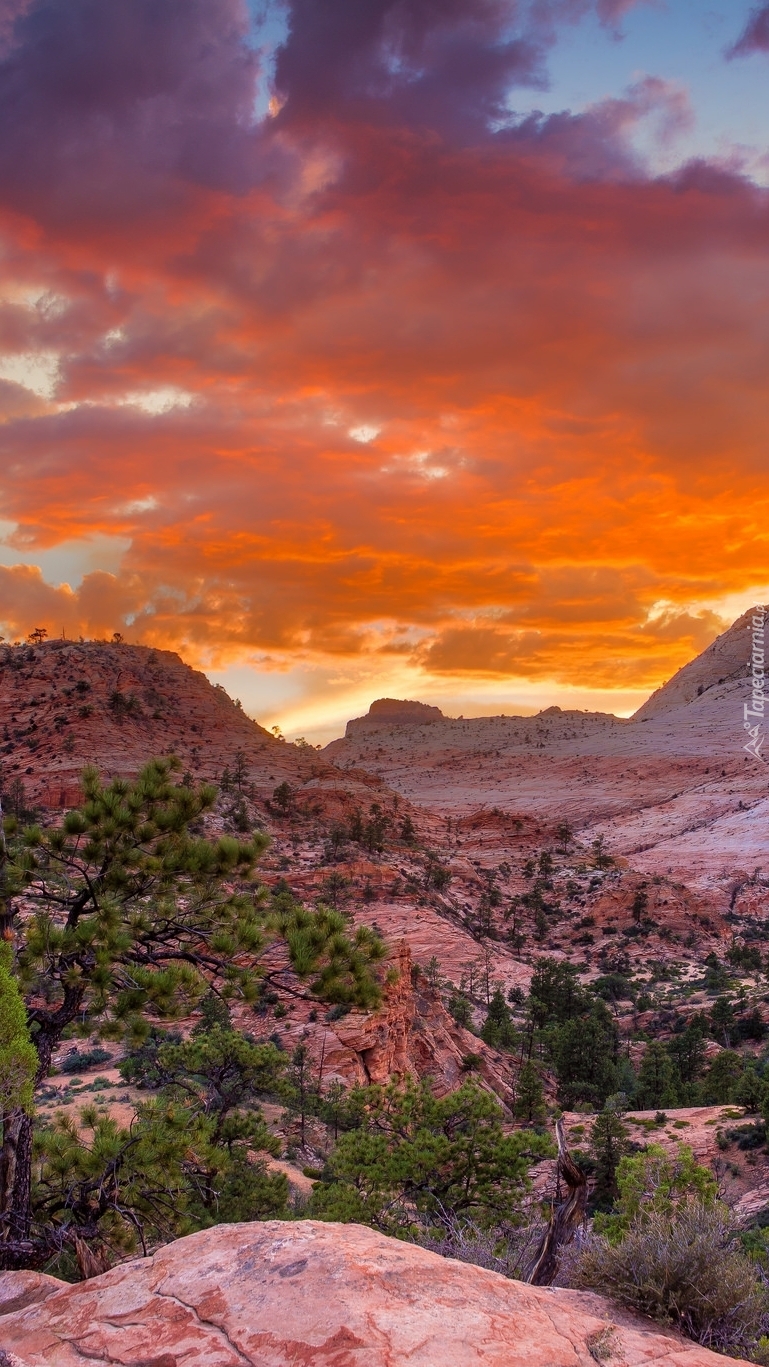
[[377, 378]]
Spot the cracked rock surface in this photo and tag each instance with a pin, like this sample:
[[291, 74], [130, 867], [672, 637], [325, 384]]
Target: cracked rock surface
[[292, 1294]]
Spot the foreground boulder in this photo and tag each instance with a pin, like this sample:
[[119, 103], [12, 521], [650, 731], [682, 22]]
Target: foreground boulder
[[290, 1295]]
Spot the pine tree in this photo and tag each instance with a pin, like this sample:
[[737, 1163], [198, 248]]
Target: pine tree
[[750, 1091], [656, 1086], [433, 973], [300, 1087], [18, 1058], [408, 831], [498, 1028], [720, 1083], [283, 797], [565, 836], [640, 903], [723, 1022], [213, 1012], [609, 1141], [556, 995], [421, 1159], [191, 1158], [461, 1009], [529, 1095], [129, 914], [584, 1052], [687, 1050]]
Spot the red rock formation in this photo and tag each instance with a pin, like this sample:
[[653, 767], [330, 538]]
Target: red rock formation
[[412, 1034], [288, 1295]]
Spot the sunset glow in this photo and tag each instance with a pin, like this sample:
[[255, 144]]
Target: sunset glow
[[339, 355]]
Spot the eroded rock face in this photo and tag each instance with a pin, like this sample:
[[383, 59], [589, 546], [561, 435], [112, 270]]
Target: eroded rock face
[[411, 1034], [725, 661], [290, 1295]]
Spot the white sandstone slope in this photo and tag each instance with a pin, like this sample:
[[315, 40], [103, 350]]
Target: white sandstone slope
[[672, 788]]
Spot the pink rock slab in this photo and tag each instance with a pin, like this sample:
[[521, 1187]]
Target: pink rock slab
[[293, 1294]]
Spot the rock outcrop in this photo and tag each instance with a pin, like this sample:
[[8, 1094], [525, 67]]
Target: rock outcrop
[[290, 1295], [414, 1035], [410, 1035], [394, 712]]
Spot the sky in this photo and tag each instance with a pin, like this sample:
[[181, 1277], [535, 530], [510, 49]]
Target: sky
[[362, 348]]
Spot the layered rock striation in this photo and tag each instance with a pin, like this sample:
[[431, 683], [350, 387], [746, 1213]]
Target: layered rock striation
[[65, 704]]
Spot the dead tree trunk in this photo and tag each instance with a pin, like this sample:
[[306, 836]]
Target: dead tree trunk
[[15, 1183], [566, 1215]]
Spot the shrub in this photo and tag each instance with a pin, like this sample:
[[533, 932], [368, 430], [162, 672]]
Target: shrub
[[747, 1136], [337, 1012], [509, 1249], [615, 986], [684, 1269], [78, 1060], [122, 705], [437, 876]]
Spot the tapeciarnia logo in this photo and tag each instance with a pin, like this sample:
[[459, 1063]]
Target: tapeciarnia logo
[[754, 711]]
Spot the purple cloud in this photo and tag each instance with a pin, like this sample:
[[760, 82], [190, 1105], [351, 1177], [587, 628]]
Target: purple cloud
[[99, 102], [448, 64], [755, 37]]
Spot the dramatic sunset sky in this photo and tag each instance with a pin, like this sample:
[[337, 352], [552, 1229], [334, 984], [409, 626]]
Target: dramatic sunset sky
[[386, 347]]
